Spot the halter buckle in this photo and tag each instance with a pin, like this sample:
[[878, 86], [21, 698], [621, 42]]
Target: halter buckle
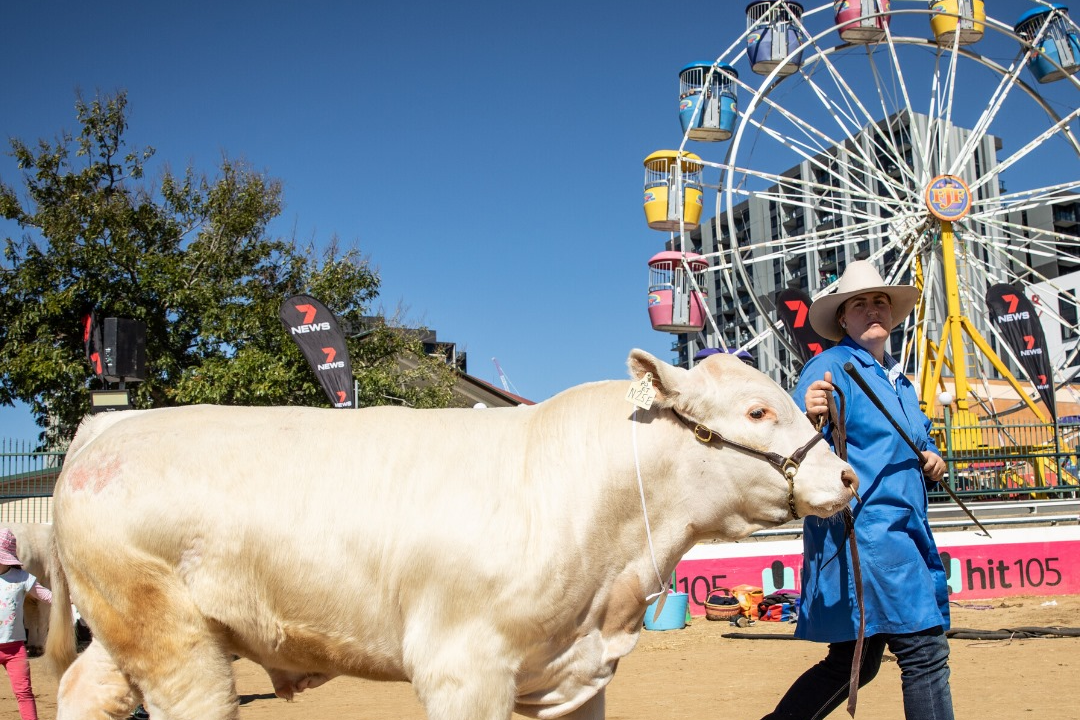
[[708, 434]]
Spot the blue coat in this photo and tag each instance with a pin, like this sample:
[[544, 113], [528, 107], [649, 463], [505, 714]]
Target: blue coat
[[904, 583]]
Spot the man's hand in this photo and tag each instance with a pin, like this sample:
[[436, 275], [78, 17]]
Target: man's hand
[[934, 468], [817, 398]]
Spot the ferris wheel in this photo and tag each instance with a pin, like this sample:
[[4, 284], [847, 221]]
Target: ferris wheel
[[844, 132]]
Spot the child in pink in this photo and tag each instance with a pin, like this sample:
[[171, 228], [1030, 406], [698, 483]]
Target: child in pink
[[15, 584]]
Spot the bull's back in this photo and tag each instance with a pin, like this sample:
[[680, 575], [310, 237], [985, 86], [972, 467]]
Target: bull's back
[[308, 469], [300, 503]]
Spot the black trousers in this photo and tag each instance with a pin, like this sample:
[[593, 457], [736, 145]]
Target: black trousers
[[923, 658]]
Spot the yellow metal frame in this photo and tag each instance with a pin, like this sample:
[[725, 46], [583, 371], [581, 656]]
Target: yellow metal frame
[[952, 343]]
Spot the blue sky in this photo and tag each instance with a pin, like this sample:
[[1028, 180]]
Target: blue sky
[[486, 157]]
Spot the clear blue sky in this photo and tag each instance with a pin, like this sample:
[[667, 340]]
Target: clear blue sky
[[486, 156]]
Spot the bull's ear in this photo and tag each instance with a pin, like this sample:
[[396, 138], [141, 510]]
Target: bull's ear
[[667, 379]]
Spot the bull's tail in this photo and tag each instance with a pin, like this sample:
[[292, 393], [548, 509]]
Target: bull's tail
[[60, 650]]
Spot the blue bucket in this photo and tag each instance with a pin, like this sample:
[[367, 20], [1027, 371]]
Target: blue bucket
[[672, 617]]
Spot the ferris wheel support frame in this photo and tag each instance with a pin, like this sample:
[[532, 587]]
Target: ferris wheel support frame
[[955, 325]]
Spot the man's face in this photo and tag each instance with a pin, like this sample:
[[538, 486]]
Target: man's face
[[868, 317]]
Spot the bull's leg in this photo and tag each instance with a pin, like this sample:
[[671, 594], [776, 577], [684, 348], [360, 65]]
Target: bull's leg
[[163, 645], [36, 614], [462, 676], [93, 688], [192, 680]]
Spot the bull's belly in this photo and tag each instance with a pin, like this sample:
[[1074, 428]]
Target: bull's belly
[[297, 653], [552, 686]]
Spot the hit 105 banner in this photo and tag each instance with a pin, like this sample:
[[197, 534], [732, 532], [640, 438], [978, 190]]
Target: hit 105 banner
[[1030, 561]]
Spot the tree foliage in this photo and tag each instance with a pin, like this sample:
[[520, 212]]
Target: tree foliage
[[190, 257]]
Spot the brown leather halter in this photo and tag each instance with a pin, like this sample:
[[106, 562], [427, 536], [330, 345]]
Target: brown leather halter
[[788, 466]]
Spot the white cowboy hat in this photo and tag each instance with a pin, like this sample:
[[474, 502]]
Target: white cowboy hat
[[860, 277]]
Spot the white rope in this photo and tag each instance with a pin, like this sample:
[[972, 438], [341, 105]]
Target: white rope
[[645, 512]]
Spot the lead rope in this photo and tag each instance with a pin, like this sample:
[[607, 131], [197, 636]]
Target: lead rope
[[645, 513], [836, 417]]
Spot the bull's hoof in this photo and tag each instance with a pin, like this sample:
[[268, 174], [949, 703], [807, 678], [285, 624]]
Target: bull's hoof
[[34, 651]]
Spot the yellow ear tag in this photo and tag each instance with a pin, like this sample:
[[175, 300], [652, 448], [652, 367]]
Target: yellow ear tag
[[641, 392]]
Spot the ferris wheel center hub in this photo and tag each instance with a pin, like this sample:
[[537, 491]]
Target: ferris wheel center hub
[[948, 198]]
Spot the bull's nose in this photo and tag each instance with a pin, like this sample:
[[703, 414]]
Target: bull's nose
[[850, 479]]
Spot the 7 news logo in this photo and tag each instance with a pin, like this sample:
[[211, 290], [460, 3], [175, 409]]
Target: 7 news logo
[[308, 325], [330, 364], [801, 310], [1011, 315]]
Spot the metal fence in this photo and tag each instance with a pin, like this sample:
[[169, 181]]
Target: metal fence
[[27, 477], [1000, 461]]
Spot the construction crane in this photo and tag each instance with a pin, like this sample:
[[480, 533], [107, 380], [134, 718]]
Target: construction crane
[[507, 385]]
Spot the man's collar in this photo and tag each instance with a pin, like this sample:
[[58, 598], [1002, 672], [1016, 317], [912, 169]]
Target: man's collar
[[891, 368], [858, 351]]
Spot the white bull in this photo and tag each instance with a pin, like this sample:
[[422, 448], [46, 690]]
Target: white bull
[[32, 546], [496, 559]]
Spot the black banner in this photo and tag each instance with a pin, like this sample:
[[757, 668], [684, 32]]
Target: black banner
[[1014, 316], [92, 343], [316, 331], [792, 306]]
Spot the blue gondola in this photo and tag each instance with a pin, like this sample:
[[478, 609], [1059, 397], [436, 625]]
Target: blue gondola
[[707, 113], [1056, 47], [774, 34]]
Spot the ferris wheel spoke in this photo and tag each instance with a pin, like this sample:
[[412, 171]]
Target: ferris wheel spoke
[[1049, 245], [840, 159], [1059, 128], [904, 262], [816, 141], [893, 136], [1022, 199], [945, 99], [788, 188], [851, 101], [883, 143], [1018, 269], [1007, 83], [892, 43]]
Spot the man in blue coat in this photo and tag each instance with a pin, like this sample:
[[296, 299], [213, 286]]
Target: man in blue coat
[[904, 584]]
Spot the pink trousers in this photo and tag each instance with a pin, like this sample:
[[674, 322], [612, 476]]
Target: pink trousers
[[13, 658]]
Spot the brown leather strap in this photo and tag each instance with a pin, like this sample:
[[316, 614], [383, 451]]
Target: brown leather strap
[[857, 656], [839, 438], [836, 417]]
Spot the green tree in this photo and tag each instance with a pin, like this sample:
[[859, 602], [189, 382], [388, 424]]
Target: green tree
[[191, 258]]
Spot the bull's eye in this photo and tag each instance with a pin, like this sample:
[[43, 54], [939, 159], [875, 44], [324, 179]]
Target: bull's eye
[[758, 413]]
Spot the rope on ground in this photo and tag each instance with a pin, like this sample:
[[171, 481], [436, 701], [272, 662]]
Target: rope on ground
[[1017, 633], [1012, 633]]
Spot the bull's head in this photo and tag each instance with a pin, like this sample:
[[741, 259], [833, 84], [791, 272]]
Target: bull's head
[[751, 455]]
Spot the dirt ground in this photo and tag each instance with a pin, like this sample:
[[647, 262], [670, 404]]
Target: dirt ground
[[697, 674]]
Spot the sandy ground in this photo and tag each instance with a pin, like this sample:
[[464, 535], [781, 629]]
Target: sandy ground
[[697, 674]]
